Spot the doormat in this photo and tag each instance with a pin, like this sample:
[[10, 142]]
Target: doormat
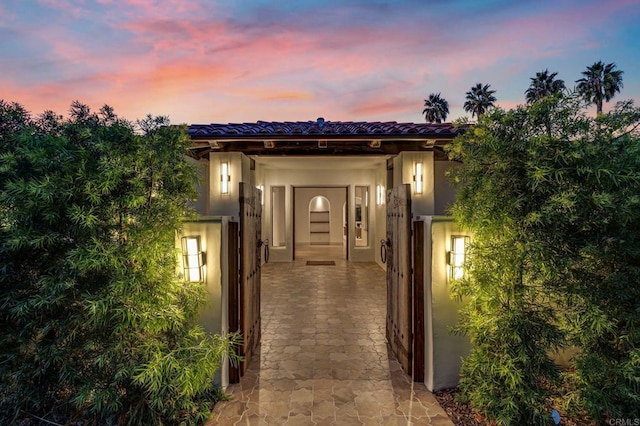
[[321, 263]]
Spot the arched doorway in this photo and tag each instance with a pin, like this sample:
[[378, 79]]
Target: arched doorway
[[318, 222]]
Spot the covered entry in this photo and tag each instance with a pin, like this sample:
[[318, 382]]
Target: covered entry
[[253, 171]]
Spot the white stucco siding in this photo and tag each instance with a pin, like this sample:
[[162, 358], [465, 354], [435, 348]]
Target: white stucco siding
[[214, 315], [445, 193], [443, 350]]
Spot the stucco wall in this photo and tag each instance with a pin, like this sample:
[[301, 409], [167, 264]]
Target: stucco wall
[[445, 193], [443, 350], [210, 233], [227, 204], [403, 172], [214, 315]]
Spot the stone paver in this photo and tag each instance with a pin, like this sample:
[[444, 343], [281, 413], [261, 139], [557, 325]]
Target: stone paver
[[323, 358]]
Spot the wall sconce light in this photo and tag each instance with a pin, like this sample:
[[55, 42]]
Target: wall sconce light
[[224, 178], [192, 259], [458, 256], [261, 188], [379, 194], [417, 178]]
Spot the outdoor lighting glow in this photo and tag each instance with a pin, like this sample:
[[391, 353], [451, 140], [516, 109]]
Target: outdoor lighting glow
[[417, 177], [225, 178], [458, 255], [261, 188], [193, 259], [379, 194]]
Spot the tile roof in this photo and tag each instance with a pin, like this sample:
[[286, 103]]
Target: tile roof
[[322, 129]]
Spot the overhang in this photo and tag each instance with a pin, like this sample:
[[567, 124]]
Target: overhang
[[320, 137]]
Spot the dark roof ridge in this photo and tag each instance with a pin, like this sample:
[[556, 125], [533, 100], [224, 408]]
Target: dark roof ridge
[[313, 128]]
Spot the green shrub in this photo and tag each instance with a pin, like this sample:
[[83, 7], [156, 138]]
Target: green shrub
[[96, 327], [552, 198]]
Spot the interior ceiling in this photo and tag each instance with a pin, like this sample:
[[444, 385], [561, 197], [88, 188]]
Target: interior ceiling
[[321, 163]]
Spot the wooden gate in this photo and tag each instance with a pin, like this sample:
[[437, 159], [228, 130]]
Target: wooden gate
[[233, 250], [250, 262], [399, 279]]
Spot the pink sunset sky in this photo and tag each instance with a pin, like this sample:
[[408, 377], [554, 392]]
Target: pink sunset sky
[[248, 60]]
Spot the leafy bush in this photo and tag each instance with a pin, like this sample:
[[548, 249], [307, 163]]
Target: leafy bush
[[96, 326], [552, 197]]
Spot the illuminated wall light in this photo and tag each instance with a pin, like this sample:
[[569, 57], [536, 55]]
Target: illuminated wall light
[[366, 198], [379, 195], [261, 188], [192, 259], [458, 256], [417, 178], [224, 178]]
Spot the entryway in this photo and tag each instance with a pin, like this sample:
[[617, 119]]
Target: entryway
[[323, 358], [367, 160], [320, 222]]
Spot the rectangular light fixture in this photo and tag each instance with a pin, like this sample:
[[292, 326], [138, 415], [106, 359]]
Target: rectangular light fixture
[[458, 256], [379, 195], [224, 178], [417, 178], [261, 188], [192, 259]]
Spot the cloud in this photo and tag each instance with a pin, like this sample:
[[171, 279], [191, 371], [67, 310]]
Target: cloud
[[260, 59]]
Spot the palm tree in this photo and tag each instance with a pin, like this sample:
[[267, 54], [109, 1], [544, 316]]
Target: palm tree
[[479, 99], [436, 108], [543, 85], [600, 83]]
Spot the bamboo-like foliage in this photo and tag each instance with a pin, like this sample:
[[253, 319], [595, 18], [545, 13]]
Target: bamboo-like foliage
[[96, 326], [552, 198]]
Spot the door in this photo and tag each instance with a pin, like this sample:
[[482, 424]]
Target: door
[[399, 275], [250, 263]]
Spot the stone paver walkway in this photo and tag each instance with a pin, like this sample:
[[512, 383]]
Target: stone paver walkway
[[323, 358]]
